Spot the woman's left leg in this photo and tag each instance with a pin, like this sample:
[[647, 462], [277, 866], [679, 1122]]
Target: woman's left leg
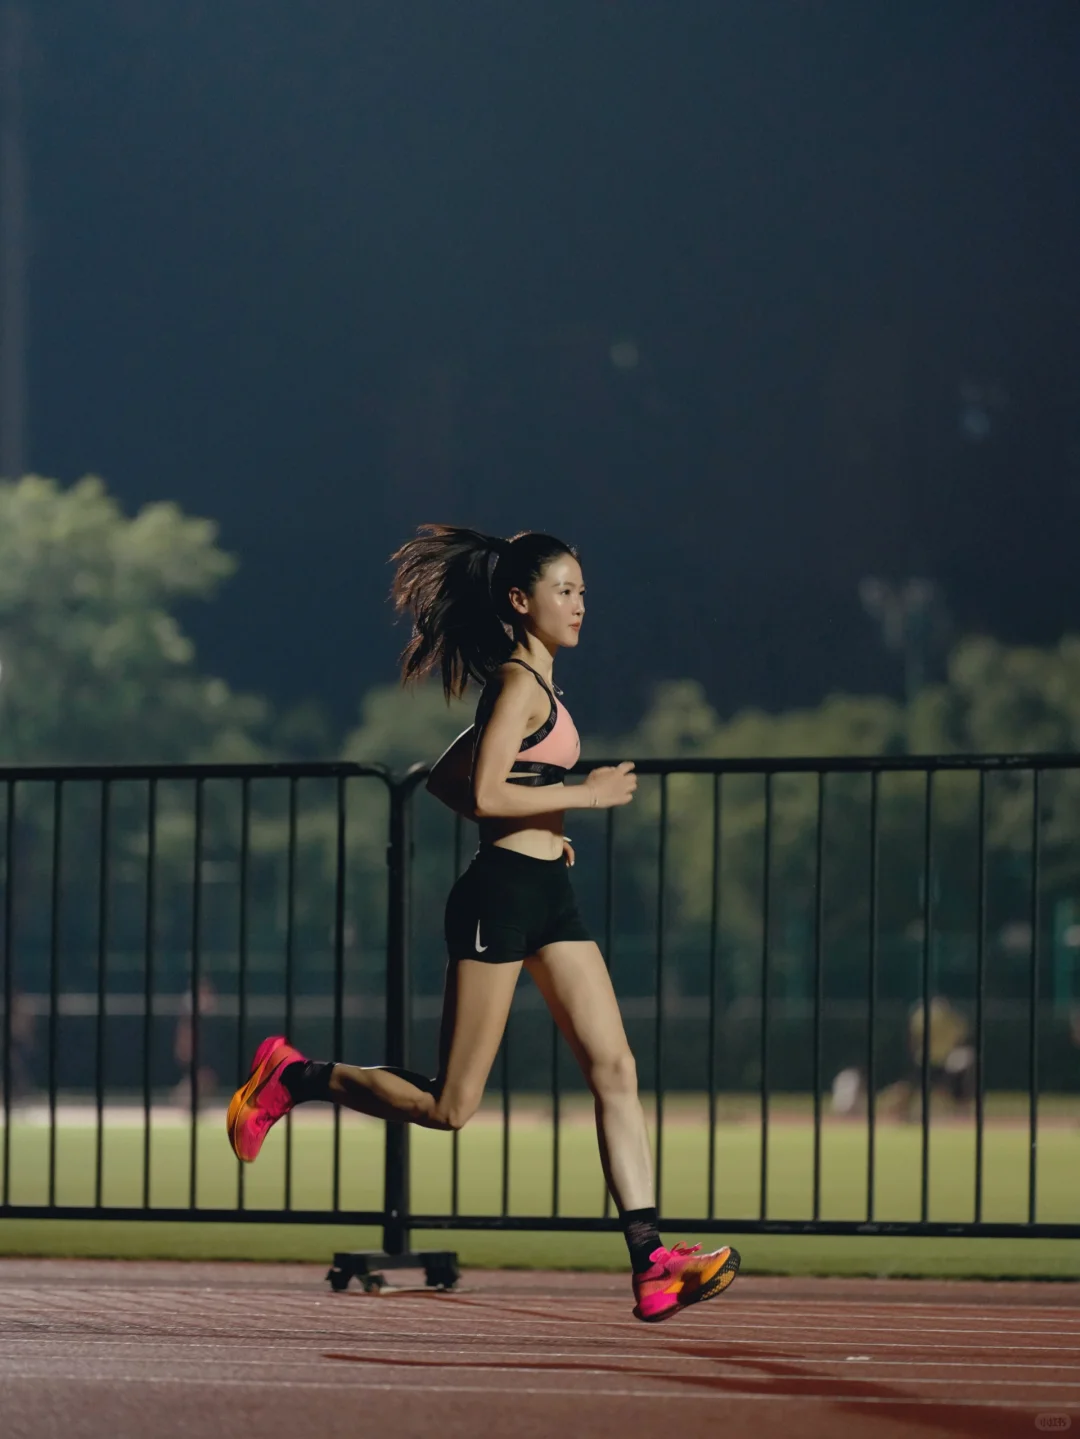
[[574, 981], [577, 988]]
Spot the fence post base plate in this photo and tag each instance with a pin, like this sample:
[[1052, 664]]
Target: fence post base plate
[[440, 1269]]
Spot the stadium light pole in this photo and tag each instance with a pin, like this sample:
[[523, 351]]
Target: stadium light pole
[[12, 245], [906, 613]]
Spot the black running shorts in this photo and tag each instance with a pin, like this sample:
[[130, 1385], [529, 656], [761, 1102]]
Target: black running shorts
[[508, 905]]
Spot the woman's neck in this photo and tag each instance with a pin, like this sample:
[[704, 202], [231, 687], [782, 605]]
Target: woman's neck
[[543, 662]]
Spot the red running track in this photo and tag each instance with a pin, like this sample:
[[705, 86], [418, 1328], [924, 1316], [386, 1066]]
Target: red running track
[[92, 1350]]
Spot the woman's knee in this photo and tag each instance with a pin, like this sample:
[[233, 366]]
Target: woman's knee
[[614, 1076], [455, 1107]]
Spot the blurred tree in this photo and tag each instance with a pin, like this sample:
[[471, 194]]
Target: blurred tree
[[995, 700], [401, 727], [680, 722], [95, 666], [1002, 699], [305, 732]]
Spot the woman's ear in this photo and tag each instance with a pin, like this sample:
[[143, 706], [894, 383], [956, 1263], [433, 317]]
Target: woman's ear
[[519, 601]]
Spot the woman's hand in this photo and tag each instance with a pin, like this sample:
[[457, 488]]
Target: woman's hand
[[568, 850], [610, 785]]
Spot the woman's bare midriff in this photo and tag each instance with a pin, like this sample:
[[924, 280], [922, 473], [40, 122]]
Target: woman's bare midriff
[[540, 836]]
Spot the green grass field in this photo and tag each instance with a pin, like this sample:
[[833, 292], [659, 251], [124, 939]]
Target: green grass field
[[684, 1188]]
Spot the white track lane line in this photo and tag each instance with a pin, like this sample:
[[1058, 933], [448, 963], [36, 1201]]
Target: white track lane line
[[891, 1329], [936, 1311], [736, 1316], [225, 1307], [177, 1353], [375, 1362], [797, 1341], [544, 1393]]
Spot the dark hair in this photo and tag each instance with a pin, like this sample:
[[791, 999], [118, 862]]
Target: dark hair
[[457, 584]]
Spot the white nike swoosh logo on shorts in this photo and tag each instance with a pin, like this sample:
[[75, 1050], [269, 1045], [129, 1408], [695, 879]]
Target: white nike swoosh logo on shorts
[[479, 947]]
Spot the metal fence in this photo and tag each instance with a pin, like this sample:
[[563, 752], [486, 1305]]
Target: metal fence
[[777, 932]]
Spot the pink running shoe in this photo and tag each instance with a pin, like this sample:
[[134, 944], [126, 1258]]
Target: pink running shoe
[[680, 1276], [262, 1100]]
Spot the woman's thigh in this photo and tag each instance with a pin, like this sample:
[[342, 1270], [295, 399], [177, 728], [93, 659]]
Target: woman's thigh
[[577, 988], [476, 1004]]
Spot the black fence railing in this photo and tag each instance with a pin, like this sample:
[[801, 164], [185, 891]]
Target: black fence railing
[[852, 987]]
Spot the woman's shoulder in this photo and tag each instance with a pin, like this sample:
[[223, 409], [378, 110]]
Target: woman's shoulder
[[511, 674], [516, 683]]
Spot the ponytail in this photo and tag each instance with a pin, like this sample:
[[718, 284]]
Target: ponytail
[[457, 583]]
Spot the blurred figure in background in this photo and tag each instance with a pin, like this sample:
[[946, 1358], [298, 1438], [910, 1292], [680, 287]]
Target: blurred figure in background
[[951, 1060], [184, 1048], [22, 1046], [849, 1092]]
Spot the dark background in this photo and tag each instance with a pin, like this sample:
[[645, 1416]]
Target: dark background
[[328, 271]]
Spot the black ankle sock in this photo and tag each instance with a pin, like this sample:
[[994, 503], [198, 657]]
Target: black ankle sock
[[642, 1236], [307, 1079]]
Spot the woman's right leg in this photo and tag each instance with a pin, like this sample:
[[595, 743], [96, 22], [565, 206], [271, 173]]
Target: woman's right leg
[[476, 1004]]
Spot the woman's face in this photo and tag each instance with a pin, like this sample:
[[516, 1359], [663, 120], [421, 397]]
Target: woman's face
[[556, 607]]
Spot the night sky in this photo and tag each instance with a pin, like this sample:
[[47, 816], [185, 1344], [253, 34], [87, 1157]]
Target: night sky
[[748, 300]]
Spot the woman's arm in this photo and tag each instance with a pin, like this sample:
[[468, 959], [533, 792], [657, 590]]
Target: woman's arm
[[451, 776], [449, 782], [494, 796]]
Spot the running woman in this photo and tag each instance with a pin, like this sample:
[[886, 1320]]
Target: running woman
[[497, 612]]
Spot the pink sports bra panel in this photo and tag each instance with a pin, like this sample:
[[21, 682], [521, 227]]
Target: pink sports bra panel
[[561, 746]]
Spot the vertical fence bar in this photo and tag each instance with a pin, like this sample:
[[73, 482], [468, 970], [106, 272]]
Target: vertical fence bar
[[661, 885], [196, 980], [609, 888], [819, 922], [396, 1169], [980, 992], [339, 971], [148, 979], [102, 959], [242, 956], [928, 917], [455, 1148], [609, 930], [290, 960], [555, 1125], [54, 974], [871, 1002], [9, 974], [714, 929], [1033, 1003], [505, 1074], [506, 1118], [766, 897]]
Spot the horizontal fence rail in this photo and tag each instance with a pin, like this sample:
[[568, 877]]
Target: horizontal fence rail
[[852, 987]]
